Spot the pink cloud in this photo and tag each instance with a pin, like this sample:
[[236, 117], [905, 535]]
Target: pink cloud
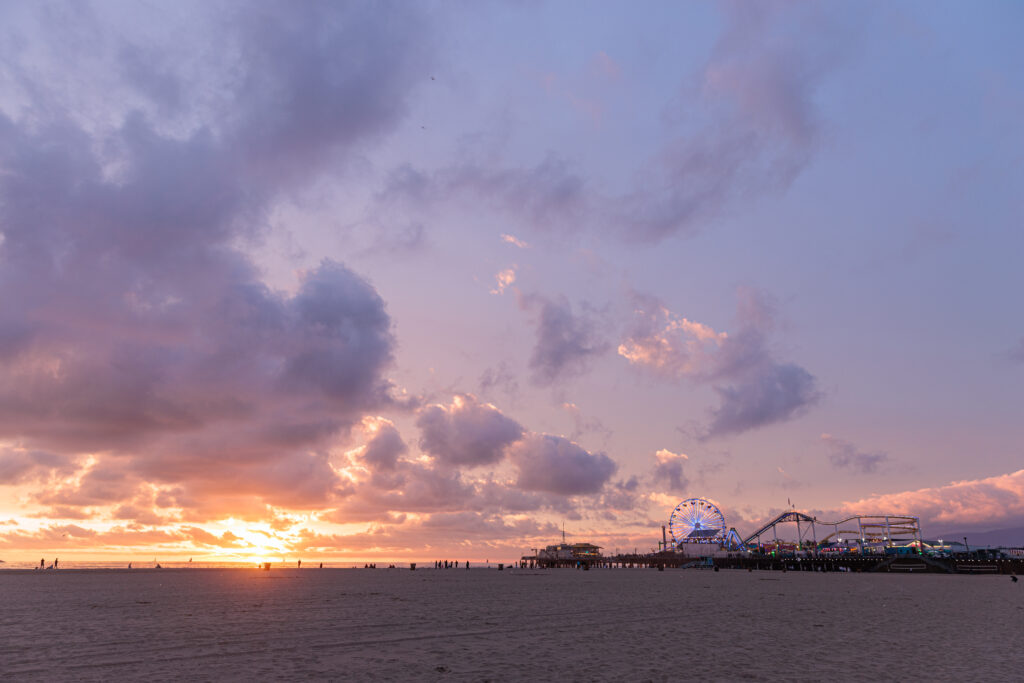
[[990, 501], [755, 389]]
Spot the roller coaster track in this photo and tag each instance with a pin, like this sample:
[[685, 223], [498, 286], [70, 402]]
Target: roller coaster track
[[869, 527]]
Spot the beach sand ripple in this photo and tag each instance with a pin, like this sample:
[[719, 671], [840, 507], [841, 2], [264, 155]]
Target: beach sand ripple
[[477, 625]]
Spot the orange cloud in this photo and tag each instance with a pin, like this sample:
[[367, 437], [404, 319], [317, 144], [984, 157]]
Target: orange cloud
[[512, 239], [681, 348], [504, 279]]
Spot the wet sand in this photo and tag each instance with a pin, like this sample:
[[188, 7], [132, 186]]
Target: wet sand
[[512, 625]]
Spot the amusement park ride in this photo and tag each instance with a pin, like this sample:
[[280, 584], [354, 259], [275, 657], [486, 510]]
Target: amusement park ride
[[701, 539], [699, 521]]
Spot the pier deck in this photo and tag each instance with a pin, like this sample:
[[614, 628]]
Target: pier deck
[[867, 563]]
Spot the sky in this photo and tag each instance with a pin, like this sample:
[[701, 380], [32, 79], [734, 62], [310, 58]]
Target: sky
[[400, 280]]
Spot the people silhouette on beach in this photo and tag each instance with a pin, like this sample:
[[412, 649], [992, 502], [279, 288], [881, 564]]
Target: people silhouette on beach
[[300, 564], [42, 563]]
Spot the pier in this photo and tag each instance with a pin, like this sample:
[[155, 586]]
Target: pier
[[917, 564], [700, 539]]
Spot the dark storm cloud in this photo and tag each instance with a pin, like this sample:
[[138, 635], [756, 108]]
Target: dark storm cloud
[[133, 327], [556, 465], [466, 433], [844, 455], [566, 342]]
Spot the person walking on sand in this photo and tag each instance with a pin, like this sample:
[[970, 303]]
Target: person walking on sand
[[42, 563], [55, 563]]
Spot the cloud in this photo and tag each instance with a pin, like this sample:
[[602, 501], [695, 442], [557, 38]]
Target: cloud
[[669, 346], [991, 501], [585, 424], [139, 515], [504, 279], [549, 195], [466, 433], [750, 124], [744, 125], [202, 538], [619, 496], [668, 471], [844, 455], [566, 342], [499, 377], [754, 388], [322, 78], [513, 240], [458, 437], [341, 338], [19, 465], [776, 394], [416, 488], [477, 534], [135, 328], [59, 536], [556, 465], [385, 447]]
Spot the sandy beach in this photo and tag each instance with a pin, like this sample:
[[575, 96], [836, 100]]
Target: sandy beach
[[512, 625]]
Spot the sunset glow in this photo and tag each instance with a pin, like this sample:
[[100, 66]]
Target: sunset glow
[[357, 282]]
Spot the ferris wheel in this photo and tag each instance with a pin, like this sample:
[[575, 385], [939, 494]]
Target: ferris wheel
[[697, 520]]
